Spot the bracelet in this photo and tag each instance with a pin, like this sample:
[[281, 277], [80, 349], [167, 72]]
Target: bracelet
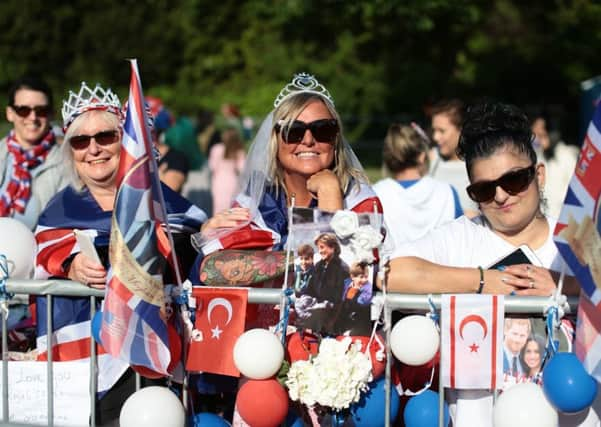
[[481, 286]]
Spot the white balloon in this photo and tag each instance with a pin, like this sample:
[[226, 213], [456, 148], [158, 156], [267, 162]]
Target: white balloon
[[414, 340], [258, 354], [151, 407], [524, 405], [18, 245]]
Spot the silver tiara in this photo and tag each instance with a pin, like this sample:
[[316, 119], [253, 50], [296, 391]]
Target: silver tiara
[[302, 82], [89, 99]]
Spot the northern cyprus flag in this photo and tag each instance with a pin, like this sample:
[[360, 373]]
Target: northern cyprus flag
[[472, 341]]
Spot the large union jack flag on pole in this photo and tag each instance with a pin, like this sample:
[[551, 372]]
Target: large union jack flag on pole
[[578, 238], [134, 321]]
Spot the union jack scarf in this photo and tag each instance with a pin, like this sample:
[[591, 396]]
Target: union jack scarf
[[18, 190]]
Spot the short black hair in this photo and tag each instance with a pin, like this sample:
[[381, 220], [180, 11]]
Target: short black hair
[[491, 125], [31, 83]]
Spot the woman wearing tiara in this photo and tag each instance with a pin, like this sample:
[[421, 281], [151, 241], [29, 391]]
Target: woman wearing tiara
[[93, 121], [419, 202], [299, 157]]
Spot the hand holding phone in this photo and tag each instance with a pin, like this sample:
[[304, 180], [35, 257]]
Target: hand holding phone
[[87, 245]]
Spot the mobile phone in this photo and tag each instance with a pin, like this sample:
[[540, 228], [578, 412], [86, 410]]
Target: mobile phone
[[86, 245], [522, 255]]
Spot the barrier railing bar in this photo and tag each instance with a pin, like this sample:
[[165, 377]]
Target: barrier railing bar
[[49, 374], [93, 366], [5, 413], [532, 306], [407, 302]]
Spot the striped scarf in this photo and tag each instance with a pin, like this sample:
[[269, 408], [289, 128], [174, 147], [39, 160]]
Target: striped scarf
[[18, 190]]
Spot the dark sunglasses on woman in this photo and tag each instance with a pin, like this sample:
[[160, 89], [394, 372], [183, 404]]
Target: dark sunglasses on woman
[[106, 137], [25, 110], [512, 182], [324, 130]]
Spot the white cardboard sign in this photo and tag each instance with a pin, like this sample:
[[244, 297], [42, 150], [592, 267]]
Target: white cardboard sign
[[27, 393]]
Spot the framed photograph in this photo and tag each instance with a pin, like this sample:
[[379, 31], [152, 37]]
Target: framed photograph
[[334, 269]]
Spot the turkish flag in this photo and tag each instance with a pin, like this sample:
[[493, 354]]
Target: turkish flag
[[472, 341], [220, 314]]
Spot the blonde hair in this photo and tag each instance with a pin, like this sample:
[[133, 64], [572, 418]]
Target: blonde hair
[[110, 119], [403, 146], [286, 113]]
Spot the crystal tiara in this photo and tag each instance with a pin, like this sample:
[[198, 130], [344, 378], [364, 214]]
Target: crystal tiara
[[89, 99], [302, 82]]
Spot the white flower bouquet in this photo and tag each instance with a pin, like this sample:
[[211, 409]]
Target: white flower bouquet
[[334, 378]]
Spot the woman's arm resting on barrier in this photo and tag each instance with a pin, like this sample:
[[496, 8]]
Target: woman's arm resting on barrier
[[414, 275], [242, 267]]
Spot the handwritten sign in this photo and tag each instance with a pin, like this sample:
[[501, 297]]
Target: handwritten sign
[[27, 393]]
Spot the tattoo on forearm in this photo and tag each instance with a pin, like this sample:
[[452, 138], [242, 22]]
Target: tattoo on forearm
[[242, 267]]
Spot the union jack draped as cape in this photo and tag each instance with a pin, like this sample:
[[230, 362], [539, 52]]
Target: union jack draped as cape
[[269, 228]]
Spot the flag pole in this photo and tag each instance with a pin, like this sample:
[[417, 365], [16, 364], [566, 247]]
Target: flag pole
[[157, 185]]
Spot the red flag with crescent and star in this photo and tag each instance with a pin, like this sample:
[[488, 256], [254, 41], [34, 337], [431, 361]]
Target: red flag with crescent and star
[[220, 318], [472, 341]]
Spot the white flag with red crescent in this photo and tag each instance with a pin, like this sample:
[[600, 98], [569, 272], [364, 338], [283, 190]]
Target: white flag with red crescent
[[472, 341]]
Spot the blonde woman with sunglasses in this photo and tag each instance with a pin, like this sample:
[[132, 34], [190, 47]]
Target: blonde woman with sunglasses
[[30, 162], [506, 181]]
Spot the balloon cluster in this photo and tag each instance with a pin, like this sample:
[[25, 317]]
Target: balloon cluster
[[261, 401]]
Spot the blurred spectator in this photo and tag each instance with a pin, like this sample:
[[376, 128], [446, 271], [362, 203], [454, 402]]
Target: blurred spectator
[[560, 161], [420, 203], [447, 120], [206, 131], [182, 137], [173, 164], [31, 169], [226, 162]]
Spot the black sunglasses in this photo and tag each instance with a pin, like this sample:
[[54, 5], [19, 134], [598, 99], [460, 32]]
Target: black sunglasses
[[25, 110], [324, 130], [106, 137], [512, 182]]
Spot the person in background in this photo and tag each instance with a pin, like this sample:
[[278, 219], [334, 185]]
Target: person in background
[[173, 164], [560, 161], [207, 134], [31, 168], [182, 136], [226, 162], [532, 355], [413, 203], [446, 166]]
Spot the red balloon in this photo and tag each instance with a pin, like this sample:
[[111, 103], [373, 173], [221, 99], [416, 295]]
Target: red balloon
[[262, 403], [301, 345], [175, 348], [377, 366]]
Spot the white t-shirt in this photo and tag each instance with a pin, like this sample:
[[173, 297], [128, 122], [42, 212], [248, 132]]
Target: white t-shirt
[[471, 243]]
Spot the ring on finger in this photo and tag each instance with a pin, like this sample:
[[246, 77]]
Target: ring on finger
[[531, 284]]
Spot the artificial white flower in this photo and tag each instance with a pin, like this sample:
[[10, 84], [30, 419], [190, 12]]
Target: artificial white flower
[[344, 223], [366, 238], [335, 377]]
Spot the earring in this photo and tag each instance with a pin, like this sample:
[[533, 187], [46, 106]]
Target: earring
[[543, 203]]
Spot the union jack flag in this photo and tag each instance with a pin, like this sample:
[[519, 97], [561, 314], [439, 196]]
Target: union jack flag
[[577, 236], [134, 318]]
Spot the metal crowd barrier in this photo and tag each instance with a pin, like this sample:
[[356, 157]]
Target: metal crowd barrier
[[533, 306]]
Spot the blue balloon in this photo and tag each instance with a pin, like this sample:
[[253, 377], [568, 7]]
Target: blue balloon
[[207, 419], [422, 410], [567, 385], [96, 324], [293, 420], [370, 410]]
